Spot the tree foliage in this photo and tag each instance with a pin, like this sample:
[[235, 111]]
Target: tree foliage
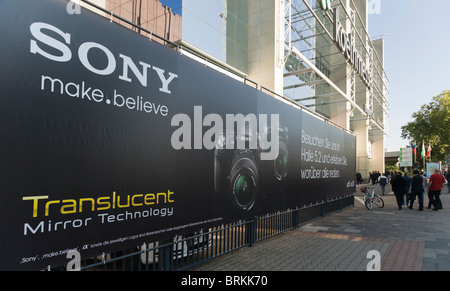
[[431, 124]]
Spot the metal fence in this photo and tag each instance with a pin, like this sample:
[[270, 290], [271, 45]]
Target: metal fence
[[187, 251]]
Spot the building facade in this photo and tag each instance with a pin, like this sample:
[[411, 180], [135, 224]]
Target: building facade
[[317, 53]]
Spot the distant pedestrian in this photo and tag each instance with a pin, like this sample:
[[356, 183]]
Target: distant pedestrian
[[383, 180], [398, 186], [407, 188], [434, 189], [425, 184], [448, 179], [373, 177], [359, 179], [416, 190]]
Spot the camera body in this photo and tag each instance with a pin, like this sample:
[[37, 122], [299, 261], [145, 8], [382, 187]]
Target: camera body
[[275, 171], [240, 174]]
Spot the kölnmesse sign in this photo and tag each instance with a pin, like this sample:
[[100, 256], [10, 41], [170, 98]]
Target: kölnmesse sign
[[346, 45], [111, 140]]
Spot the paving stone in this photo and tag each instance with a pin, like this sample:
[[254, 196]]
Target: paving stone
[[407, 240]]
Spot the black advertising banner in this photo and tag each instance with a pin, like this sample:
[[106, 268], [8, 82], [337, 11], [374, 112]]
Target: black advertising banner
[[328, 159], [110, 140]]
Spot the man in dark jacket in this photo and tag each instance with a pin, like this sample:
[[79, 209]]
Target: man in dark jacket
[[407, 188], [398, 186], [416, 190]]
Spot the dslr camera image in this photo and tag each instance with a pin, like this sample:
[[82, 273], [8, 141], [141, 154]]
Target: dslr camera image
[[240, 174]]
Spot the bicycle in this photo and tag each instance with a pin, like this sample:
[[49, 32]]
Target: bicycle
[[371, 197]]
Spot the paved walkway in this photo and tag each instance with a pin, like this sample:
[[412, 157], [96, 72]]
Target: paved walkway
[[406, 240]]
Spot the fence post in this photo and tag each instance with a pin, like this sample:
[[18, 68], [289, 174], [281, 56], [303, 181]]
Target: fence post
[[166, 255], [250, 232], [295, 218]]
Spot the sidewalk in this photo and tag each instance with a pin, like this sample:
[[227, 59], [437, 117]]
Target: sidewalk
[[407, 240]]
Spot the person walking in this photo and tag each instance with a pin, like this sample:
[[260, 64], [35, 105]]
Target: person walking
[[359, 179], [398, 186], [448, 179], [434, 189], [407, 188], [425, 185], [373, 177], [416, 190], [383, 180]]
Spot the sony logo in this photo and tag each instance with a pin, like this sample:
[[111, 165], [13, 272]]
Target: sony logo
[[59, 41]]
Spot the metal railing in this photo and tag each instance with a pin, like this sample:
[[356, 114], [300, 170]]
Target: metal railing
[[187, 251]]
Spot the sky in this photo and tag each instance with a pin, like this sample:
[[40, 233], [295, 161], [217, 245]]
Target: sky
[[417, 56], [174, 4]]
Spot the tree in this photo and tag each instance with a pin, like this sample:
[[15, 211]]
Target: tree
[[431, 124]]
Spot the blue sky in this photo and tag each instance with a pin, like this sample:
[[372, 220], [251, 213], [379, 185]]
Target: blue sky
[[417, 56], [174, 4]]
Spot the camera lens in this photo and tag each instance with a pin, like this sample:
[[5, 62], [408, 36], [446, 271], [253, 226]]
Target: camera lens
[[244, 189], [281, 163], [243, 181]]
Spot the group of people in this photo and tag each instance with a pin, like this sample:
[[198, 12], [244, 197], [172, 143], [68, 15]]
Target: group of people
[[374, 176], [406, 189]]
